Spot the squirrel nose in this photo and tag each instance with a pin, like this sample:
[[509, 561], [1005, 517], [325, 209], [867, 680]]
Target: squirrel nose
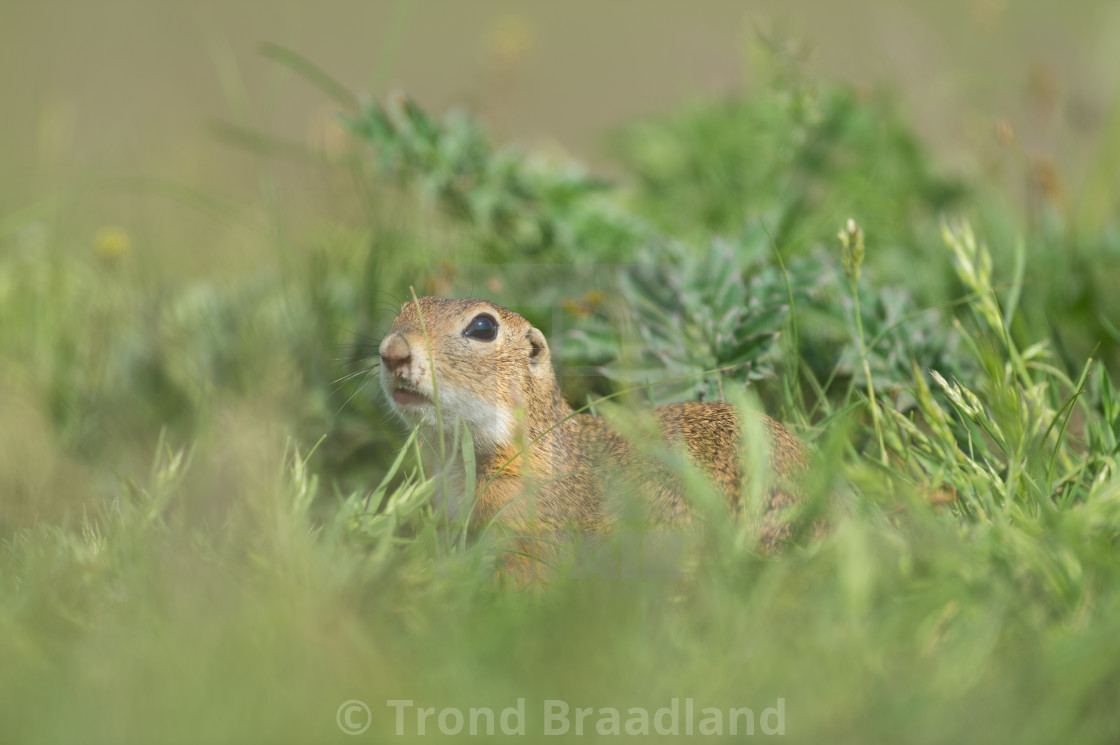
[[395, 351]]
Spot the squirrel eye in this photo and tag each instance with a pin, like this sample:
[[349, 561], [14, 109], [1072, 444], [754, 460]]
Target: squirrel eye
[[483, 328]]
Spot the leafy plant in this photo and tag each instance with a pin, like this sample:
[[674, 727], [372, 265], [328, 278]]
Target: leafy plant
[[521, 205], [688, 321], [810, 157]]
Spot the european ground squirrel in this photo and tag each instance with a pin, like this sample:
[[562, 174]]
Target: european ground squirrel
[[489, 368]]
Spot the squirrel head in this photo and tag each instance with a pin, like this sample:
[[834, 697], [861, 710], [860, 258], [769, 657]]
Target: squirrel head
[[469, 360]]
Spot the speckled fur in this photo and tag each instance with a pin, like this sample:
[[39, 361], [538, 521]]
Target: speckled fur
[[507, 393]]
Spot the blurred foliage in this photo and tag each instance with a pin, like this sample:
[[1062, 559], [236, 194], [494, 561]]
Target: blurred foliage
[[806, 158], [524, 206]]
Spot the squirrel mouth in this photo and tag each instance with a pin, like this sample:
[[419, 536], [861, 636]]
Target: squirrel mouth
[[407, 397]]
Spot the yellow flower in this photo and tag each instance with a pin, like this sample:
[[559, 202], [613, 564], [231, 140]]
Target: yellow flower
[[112, 244]]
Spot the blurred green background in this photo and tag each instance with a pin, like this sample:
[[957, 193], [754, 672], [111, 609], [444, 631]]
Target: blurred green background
[[129, 88], [205, 535]]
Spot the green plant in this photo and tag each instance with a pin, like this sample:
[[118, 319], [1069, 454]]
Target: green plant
[[519, 204], [687, 322]]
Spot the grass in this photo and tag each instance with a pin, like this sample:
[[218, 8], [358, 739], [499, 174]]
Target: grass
[[213, 532]]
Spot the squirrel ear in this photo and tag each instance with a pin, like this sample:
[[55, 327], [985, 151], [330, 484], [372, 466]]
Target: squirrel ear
[[538, 347]]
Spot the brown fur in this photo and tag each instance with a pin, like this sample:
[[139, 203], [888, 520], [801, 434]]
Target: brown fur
[[578, 467]]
